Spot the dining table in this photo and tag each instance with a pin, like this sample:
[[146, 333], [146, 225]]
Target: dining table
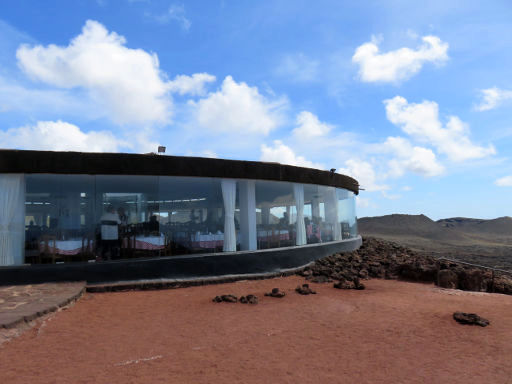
[[64, 247], [149, 243], [209, 241], [273, 235]]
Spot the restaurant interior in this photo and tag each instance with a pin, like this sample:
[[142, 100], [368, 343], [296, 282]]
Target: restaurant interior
[[152, 216]]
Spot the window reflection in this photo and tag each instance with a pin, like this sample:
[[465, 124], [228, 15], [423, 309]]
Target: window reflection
[[126, 221], [321, 214], [192, 214], [275, 217], [347, 213], [92, 218], [59, 218]]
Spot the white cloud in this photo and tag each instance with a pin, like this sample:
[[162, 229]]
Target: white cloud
[[364, 173], [236, 107], [421, 121], [412, 34], [493, 98], [209, 153], [280, 153], [309, 126], [391, 196], [59, 136], [505, 181], [362, 202], [298, 68], [406, 188], [143, 140], [18, 97], [176, 12], [411, 158], [127, 81], [194, 85], [398, 65]]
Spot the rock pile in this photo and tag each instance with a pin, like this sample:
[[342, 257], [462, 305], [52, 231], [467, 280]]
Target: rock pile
[[470, 318], [468, 278], [249, 299], [225, 298], [276, 293], [503, 284], [305, 290], [378, 258], [375, 258], [346, 284]]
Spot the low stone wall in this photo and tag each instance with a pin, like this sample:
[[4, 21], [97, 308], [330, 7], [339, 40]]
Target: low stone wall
[[378, 258]]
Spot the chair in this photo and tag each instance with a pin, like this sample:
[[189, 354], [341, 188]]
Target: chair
[[168, 245], [87, 251], [292, 240], [275, 240], [32, 252], [128, 245], [49, 245]]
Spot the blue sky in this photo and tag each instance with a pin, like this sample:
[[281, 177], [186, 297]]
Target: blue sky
[[415, 102]]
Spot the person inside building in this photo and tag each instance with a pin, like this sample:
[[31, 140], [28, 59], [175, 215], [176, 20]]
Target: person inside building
[[284, 222], [153, 225], [110, 233]]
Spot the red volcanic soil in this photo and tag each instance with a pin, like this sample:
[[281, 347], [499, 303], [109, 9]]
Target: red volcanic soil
[[392, 332]]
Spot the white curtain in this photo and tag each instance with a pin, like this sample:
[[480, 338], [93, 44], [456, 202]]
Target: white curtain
[[332, 212], [229, 197], [12, 219], [298, 194]]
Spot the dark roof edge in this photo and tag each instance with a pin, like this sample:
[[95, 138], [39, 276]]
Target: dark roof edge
[[23, 161]]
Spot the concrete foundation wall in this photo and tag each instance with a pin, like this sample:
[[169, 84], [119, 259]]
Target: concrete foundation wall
[[177, 267]]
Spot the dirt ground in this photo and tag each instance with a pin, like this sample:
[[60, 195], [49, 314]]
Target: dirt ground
[[392, 332]]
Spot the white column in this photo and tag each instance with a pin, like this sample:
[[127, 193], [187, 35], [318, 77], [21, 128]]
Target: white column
[[229, 197], [289, 214], [12, 219], [247, 196], [298, 193], [331, 212], [315, 208]]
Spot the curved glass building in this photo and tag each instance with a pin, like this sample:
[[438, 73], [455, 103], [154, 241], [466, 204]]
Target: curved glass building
[[102, 216]]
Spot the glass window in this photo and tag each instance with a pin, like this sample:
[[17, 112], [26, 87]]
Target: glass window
[[59, 218], [347, 213], [321, 218], [276, 214], [127, 216], [314, 213], [192, 214], [86, 217]]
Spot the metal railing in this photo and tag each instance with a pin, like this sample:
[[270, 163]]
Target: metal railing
[[493, 269], [475, 265]]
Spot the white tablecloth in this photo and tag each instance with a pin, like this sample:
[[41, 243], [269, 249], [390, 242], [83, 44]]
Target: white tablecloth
[[63, 247], [150, 242], [208, 240], [281, 234]]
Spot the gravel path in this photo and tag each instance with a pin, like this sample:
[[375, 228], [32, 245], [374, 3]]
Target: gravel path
[[25, 303], [392, 332]]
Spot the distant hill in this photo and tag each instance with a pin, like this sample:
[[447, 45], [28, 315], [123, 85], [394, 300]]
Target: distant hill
[[499, 226], [408, 225], [477, 240]]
